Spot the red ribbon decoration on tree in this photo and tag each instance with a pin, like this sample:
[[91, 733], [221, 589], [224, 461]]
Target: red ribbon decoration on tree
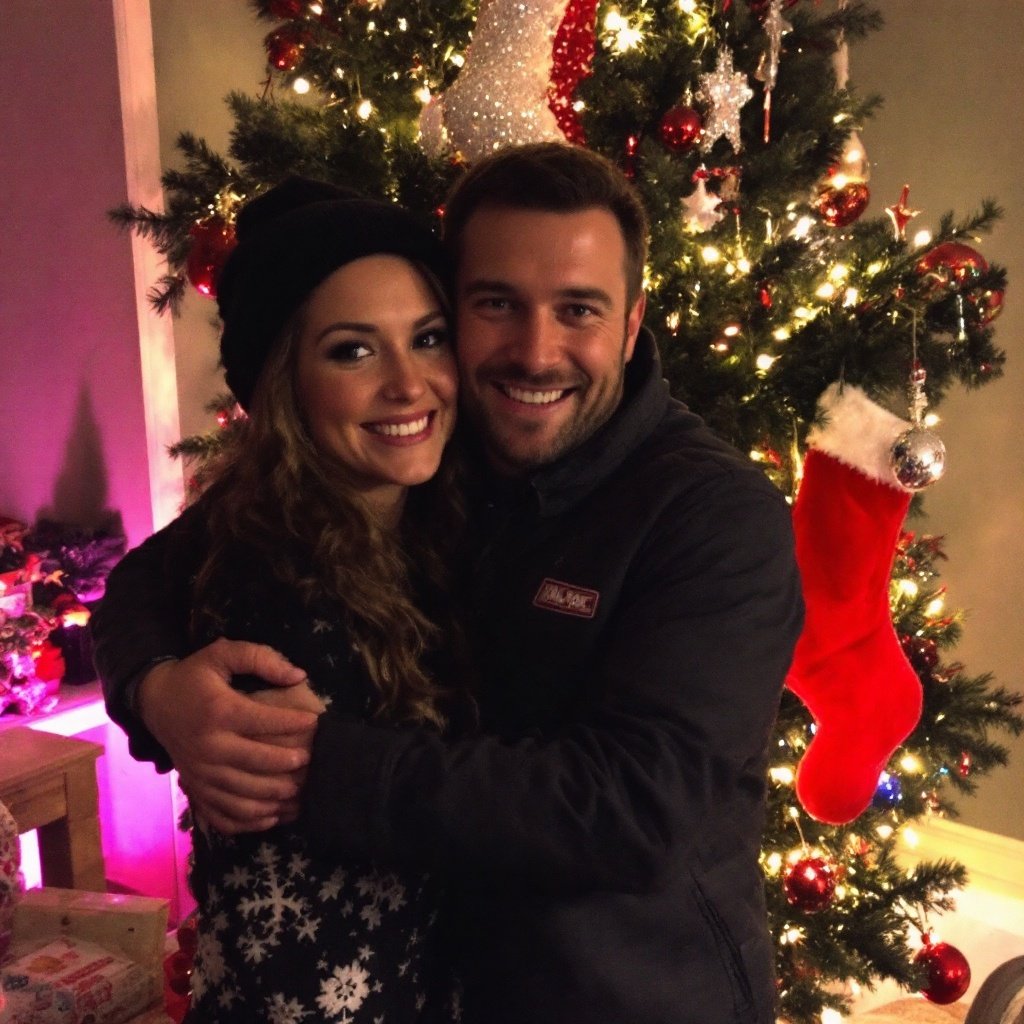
[[572, 60]]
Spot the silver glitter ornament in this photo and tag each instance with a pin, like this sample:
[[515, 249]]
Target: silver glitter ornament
[[775, 27], [724, 91], [768, 69], [501, 95], [918, 458]]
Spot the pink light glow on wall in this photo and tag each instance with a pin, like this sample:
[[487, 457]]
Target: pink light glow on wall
[[88, 369]]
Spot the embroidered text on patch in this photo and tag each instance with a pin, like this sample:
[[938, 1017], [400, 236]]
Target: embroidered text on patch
[[564, 597]]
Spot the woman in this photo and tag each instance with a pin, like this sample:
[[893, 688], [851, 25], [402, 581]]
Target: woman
[[335, 341]]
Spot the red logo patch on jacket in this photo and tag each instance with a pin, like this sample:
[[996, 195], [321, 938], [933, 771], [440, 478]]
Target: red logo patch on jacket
[[561, 597]]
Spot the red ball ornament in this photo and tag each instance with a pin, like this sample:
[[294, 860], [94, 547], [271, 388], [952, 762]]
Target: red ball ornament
[[952, 265], [838, 207], [286, 8], [949, 973], [178, 973], [629, 164], [284, 48], [922, 652], [988, 303], [809, 883], [680, 128], [212, 241], [759, 8], [188, 937]]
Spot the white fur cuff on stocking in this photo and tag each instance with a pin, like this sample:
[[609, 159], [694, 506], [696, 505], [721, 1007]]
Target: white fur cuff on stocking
[[858, 432]]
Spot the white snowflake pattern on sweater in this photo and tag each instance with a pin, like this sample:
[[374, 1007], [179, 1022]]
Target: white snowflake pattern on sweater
[[284, 1011], [288, 939], [344, 991]]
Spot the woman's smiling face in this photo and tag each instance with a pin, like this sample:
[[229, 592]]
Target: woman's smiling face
[[376, 378]]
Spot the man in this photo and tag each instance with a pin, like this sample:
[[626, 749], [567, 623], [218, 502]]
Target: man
[[635, 603]]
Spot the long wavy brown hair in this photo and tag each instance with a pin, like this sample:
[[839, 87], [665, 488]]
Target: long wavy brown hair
[[296, 508]]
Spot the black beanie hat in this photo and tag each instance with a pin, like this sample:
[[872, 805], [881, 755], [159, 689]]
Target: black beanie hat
[[291, 239]]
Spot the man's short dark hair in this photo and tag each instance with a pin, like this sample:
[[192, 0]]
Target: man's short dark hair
[[557, 178]]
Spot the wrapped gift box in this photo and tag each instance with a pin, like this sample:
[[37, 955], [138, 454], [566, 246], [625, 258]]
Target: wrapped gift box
[[69, 981], [132, 926], [84, 956]]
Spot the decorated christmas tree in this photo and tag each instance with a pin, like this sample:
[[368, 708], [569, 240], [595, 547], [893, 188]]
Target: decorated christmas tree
[[808, 335]]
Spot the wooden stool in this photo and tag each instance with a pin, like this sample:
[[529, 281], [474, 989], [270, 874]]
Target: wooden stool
[[49, 783]]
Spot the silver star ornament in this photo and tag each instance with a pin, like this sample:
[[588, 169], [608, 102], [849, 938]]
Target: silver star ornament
[[725, 91], [702, 212]]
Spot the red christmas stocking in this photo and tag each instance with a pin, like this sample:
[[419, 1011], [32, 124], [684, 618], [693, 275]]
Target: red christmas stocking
[[849, 668]]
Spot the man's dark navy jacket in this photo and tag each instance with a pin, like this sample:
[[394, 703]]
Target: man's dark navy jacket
[[634, 607]]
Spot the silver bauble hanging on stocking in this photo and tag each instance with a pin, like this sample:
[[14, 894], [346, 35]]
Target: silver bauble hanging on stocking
[[918, 458]]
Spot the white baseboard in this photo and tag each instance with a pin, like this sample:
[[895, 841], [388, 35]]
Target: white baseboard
[[995, 863], [989, 911]]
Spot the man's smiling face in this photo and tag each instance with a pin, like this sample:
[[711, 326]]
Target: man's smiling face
[[544, 330]]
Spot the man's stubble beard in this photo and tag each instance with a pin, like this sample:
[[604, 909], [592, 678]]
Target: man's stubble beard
[[520, 458]]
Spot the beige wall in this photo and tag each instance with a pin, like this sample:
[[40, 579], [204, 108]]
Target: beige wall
[[952, 126]]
